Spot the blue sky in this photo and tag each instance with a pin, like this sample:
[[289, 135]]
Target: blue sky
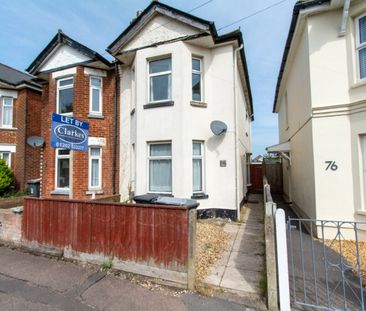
[[26, 26]]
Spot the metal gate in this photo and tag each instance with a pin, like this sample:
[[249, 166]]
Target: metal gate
[[325, 268]]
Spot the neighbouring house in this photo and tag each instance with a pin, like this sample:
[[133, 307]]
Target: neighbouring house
[[177, 75], [20, 97], [78, 82], [321, 105]]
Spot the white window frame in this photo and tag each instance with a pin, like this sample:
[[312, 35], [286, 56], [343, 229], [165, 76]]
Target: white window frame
[[99, 158], [201, 78], [57, 157], [162, 73], [58, 88], [4, 98], [149, 158], [202, 158], [2, 157], [100, 89], [359, 46]]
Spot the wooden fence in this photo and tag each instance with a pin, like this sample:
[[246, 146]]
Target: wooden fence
[[150, 235]]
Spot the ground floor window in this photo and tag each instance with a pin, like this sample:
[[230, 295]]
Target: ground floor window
[[197, 166], [95, 168], [62, 168], [6, 156], [160, 167]]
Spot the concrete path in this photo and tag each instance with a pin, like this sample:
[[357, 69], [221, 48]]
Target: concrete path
[[241, 270], [36, 283]]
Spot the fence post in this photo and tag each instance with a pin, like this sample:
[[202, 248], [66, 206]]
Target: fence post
[[282, 261], [192, 219]]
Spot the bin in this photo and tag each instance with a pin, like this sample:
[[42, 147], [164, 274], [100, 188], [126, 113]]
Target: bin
[[164, 200], [33, 187]]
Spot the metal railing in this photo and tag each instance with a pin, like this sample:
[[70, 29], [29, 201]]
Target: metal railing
[[325, 268]]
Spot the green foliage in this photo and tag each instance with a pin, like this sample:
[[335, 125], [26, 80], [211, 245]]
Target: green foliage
[[6, 177], [107, 265]]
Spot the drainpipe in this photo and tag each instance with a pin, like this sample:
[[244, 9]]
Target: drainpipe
[[345, 14], [115, 119], [236, 134]]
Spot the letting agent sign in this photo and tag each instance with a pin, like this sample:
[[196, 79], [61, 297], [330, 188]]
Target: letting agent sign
[[69, 133]]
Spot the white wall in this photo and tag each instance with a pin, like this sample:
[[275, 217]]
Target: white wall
[[183, 123]]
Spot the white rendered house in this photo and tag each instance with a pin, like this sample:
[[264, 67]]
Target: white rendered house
[[321, 106], [177, 75]]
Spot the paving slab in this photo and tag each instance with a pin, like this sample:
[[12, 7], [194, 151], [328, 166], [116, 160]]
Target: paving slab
[[246, 262], [241, 280]]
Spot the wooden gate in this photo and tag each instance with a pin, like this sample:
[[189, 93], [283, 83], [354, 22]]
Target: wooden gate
[[256, 178], [273, 171]]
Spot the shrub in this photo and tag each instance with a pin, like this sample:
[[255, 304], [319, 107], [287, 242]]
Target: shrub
[[6, 177]]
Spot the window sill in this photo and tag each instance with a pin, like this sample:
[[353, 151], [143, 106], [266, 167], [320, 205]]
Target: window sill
[[357, 84], [95, 116], [159, 104], [95, 191], [199, 196], [163, 194], [60, 192], [198, 104], [8, 128]]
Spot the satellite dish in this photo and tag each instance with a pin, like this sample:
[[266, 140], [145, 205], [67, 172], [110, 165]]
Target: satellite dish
[[218, 127], [35, 141]]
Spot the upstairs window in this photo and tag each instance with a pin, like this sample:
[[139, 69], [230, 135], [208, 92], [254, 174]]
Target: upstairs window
[[196, 79], [7, 112], [95, 95], [65, 94], [361, 45], [160, 80]]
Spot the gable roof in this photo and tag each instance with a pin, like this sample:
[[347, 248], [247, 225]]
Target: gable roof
[[62, 39], [156, 6], [207, 27], [13, 77], [300, 5]]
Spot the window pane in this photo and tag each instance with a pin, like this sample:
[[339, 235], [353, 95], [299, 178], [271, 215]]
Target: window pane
[[8, 101], [362, 24], [94, 172], [160, 65], [6, 157], [196, 87], [97, 82], [196, 64], [160, 175], [63, 173], [63, 151], [160, 150], [196, 149], [160, 87], [66, 82], [197, 175], [7, 115], [65, 100], [95, 151], [95, 100], [362, 59]]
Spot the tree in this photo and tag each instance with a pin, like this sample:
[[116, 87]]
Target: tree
[[6, 177]]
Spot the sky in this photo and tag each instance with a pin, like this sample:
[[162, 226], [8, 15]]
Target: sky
[[26, 27]]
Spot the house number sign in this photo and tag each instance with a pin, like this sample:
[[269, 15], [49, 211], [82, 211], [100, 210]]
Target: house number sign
[[331, 165]]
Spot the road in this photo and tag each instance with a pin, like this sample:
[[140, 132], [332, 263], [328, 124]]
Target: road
[[37, 283]]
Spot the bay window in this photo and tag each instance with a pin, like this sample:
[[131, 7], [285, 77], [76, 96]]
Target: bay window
[[95, 95], [196, 79], [160, 167], [95, 168], [65, 94], [7, 112], [197, 166], [361, 45], [62, 169], [160, 80]]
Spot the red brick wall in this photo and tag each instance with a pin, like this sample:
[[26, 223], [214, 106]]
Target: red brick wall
[[24, 160], [97, 128]]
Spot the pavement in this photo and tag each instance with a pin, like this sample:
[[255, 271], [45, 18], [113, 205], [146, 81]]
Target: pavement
[[241, 271], [36, 283]]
